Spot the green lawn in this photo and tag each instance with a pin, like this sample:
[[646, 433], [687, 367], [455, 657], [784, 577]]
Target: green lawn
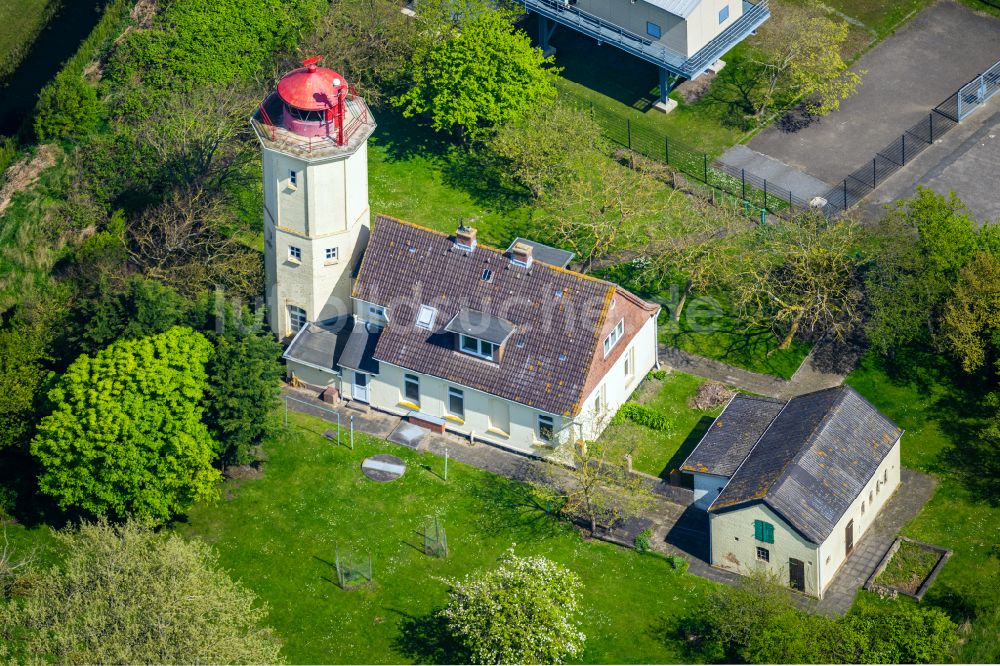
[[279, 535], [417, 176], [707, 329], [657, 452], [20, 23], [940, 423]]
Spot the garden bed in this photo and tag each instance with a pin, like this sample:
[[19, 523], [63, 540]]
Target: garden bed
[[908, 567]]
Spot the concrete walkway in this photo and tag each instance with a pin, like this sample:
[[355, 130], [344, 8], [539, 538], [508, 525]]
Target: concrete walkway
[[775, 172], [809, 377]]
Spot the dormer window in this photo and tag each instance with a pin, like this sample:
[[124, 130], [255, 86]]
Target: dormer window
[[480, 334], [376, 311], [426, 317], [477, 347], [614, 336]]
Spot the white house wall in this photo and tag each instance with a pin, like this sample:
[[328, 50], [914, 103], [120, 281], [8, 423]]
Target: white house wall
[[309, 375], [703, 23], [834, 550], [734, 547], [387, 394], [616, 387]]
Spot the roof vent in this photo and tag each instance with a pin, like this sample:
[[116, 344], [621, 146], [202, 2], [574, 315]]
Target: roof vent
[[465, 238], [520, 255]]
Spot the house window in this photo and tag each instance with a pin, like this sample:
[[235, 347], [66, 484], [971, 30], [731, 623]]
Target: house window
[[614, 336], [376, 311], [546, 428], [653, 30], [330, 253], [885, 476], [456, 402], [763, 531], [293, 178], [878, 487], [477, 347], [871, 496], [426, 317], [724, 14], [296, 318], [294, 253], [763, 554], [862, 507], [411, 388], [629, 363]]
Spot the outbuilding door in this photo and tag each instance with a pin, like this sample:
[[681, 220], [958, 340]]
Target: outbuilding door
[[796, 574], [360, 390], [849, 536]]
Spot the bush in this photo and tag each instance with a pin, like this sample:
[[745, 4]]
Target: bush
[[658, 374], [677, 563], [67, 107], [642, 415], [643, 540]]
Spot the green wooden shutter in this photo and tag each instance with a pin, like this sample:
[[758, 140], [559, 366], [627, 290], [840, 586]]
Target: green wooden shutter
[[763, 531]]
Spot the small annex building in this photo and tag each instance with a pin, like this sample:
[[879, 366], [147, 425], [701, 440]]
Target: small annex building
[[792, 486]]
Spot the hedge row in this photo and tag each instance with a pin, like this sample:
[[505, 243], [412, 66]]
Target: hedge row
[[642, 415]]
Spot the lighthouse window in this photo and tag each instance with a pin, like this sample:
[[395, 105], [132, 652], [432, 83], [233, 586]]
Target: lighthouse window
[[296, 318], [293, 178], [331, 253], [294, 253]]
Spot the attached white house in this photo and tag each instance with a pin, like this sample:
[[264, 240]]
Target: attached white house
[[792, 487], [499, 345]]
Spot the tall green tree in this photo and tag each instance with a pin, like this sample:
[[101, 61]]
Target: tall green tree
[[482, 75], [921, 246], [523, 612], [125, 436], [127, 594], [243, 390]]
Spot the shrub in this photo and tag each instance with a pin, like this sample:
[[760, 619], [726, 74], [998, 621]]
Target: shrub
[[643, 540], [658, 374], [677, 563], [642, 415], [67, 107]]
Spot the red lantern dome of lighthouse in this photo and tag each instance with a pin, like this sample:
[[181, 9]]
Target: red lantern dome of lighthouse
[[312, 88]]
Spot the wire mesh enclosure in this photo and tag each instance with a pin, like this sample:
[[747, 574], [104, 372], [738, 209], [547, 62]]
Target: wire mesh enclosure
[[353, 569], [435, 539]]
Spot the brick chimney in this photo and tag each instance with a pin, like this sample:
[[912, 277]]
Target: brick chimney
[[465, 238], [520, 254]]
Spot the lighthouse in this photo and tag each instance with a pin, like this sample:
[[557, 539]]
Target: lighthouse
[[313, 132]]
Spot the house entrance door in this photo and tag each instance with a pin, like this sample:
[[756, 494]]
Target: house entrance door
[[360, 389], [849, 536], [796, 574]]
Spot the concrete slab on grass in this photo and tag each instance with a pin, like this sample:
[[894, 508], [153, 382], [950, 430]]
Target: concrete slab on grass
[[775, 172]]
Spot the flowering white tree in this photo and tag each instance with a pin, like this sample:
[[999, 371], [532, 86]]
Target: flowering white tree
[[522, 612]]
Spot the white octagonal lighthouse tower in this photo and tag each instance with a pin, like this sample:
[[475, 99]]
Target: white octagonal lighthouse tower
[[314, 133]]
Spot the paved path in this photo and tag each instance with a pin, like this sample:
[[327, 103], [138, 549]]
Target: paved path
[[775, 172], [809, 377], [909, 499]]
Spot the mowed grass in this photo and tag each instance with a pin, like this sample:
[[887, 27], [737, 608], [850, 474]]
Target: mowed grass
[[941, 424], [20, 23], [707, 329], [623, 88], [280, 535], [657, 452]]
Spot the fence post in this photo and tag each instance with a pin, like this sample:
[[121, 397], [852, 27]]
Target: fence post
[[705, 155], [666, 149], [930, 121], [904, 148], [790, 204], [845, 194], [765, 194], [628, 128], [446, 463], [874, 174], [286, 411], [743, 179], [352, 431]]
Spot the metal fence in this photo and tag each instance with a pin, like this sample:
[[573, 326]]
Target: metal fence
[[698, 165]]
